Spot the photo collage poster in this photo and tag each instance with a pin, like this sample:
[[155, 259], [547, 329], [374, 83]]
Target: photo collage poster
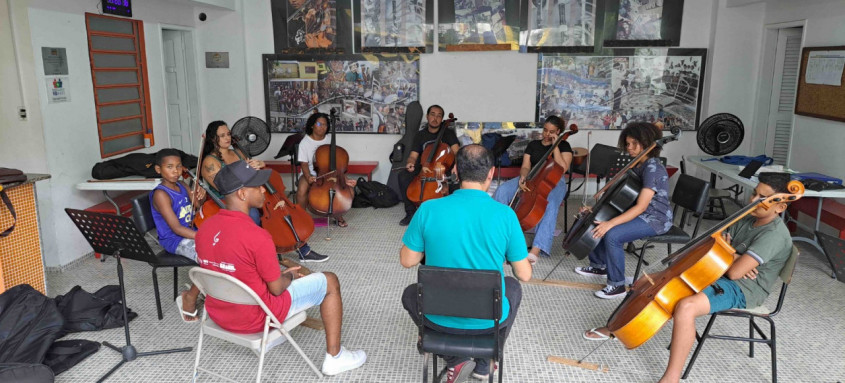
[[605, 92], [311, 23], [639, 20], [553, 23], [393, 23], [477, 22], [369, 95]]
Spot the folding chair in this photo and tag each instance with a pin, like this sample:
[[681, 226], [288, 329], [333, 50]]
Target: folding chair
[[228, 289], [459, 293], [142, 214], [690, 195], [756, 312]]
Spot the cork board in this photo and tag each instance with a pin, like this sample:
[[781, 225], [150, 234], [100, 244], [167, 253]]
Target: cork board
[[819, 100]]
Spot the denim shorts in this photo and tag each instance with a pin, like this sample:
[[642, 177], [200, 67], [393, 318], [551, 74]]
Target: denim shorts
[[730, 296], [306, 292], [187, 248]]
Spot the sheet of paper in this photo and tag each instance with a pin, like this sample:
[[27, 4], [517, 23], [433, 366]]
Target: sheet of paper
[[825, 67]]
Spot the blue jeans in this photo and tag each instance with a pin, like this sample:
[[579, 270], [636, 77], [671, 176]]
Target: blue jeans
[[609, 253], [546, 228], [306, 292]]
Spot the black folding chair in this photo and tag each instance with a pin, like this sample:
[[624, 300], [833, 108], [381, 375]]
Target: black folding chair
[[459, 293], [143, 216], [760, 312], [690, 196]]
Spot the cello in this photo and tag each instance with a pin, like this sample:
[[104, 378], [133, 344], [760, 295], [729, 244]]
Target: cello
[[330, 195], [652, 299], [616, 197], [543, 177], [290, 226], [437, 160]]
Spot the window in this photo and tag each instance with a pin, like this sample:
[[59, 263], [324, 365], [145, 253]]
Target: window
[[121, 88]]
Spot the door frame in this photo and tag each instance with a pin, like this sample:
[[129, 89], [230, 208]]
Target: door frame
[[759, 131], [191, 77]]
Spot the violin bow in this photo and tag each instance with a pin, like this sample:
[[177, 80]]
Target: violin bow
[[587, 174], [197, 176]]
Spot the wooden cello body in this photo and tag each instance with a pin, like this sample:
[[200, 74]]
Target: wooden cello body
[[616, 197], [330, 195], [437, 161], [290, 226], [530, 206], [652, 299]]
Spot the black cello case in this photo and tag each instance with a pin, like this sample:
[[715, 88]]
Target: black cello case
[[401, 149]]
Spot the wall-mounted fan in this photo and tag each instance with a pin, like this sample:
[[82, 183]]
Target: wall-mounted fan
[[720, 134], [252, 135]]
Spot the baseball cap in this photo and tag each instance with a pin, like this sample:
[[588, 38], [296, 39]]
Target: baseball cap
[[237, 175]]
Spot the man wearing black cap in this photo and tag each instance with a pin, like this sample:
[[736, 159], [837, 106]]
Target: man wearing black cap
[[231, 243]]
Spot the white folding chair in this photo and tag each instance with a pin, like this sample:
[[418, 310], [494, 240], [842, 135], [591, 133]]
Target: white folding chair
[[228, 289]]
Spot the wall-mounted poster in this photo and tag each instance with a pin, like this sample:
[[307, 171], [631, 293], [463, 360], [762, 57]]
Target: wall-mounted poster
[[390, 24], [299, 25], [643, 23], [561, 23], [369, 92], [478, 24], [606, 92]]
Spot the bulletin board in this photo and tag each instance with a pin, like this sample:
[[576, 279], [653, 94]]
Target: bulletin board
[[821, 83]]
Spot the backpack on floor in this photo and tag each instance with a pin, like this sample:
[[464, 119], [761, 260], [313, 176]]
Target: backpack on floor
[[375, 194], [64, 354], [29, 323], [84, 311]]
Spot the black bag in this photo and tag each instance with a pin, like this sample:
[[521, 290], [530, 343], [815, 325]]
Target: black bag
[[7, 177], [373, 193], [29, 323], [25, 373], [65, 354], [84, 311], [135, 164]]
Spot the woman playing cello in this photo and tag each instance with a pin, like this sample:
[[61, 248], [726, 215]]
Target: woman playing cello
[[315, 129], [651, 214], [534, 154], [763, 245]]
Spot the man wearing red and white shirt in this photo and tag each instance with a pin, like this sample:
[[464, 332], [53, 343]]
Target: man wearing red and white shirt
[[230, 242]]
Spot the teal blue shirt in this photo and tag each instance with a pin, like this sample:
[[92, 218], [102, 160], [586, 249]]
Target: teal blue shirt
[[467, 230]]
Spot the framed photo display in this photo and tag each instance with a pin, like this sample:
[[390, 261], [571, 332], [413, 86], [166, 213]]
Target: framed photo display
[[300, 25], [478, 24], [562, 25], [643, 23], [370, 91], [395, 26], [606, 92]]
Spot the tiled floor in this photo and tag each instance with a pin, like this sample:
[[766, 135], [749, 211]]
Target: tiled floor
[[811, 328]]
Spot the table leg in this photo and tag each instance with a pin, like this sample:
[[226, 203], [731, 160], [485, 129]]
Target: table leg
[[116, 208]]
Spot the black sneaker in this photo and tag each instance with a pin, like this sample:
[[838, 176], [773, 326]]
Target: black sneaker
[[591, 271], [313, 256], [407, 220], [611, 292]]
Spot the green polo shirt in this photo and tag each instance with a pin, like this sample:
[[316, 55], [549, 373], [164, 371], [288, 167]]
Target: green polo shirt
[[467, 230], [770, 245]]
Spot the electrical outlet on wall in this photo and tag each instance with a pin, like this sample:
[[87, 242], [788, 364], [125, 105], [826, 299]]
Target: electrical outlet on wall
[[22, 113]]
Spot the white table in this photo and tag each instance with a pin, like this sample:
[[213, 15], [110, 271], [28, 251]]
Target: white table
[[731, 172], [119, 184]]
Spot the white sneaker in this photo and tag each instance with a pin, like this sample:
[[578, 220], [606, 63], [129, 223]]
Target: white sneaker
[[344, 361]]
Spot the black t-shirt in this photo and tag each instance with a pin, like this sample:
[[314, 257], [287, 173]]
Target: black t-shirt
[[425, 138], [537, 150]]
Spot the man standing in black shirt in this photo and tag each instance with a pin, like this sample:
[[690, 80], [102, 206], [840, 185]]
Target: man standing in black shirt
[[424, 137]]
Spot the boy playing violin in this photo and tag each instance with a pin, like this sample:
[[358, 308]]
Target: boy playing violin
[[763, 245]]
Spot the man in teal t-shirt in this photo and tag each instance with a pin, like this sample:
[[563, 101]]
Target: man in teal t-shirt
[[480, 234]]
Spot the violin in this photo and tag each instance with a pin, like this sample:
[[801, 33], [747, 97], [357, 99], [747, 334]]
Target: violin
[[330, 195], [652, 299], [437, 161], [616, 197], [543, 177]]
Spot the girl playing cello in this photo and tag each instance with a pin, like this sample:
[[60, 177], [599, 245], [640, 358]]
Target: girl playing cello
[[651, 214]]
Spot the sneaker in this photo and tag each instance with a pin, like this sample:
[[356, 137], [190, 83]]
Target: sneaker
[[483, 375], [344, 361], [460, 373], [313, 256], [407, 220], [591, 271], [611, 292]]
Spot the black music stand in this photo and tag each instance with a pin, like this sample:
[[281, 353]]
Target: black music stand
[[114, 235], [498, 149], [602, 159]]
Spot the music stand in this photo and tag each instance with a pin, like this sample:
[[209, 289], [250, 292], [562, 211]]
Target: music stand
[[291, 148], [498, 149], [117, 236], [602, 159]]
